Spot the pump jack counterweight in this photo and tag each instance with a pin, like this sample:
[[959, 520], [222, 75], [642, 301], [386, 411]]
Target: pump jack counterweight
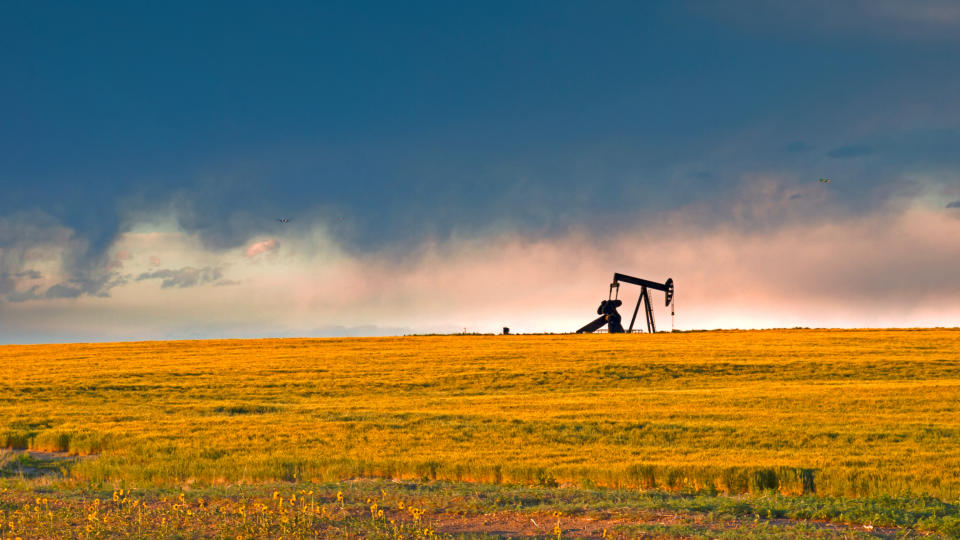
[[608, 308]]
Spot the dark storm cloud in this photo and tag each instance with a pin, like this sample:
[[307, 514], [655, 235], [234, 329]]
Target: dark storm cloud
[[797, 147], [184, 277], [24, 296], [8, 284], [405, 195], [61, 290], [97, 283], [21, 230], [954, 204], [98, 286], [225, 213], [850, 151], [921, 20], [28, 274], [437, 138], [28, 236]]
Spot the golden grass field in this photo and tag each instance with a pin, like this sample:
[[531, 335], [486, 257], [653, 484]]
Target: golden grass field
[[835, 413]]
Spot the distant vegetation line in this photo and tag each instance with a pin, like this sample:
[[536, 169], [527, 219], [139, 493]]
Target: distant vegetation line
[[846, 413]]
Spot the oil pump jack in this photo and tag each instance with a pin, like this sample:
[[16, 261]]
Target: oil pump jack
[[608, 308]]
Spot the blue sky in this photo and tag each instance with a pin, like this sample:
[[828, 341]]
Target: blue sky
[[391, 133]]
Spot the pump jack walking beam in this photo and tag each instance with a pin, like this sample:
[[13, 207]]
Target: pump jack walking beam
[[665, 287]]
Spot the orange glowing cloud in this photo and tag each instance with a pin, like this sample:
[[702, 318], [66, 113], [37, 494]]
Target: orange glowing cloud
[[264, 246]]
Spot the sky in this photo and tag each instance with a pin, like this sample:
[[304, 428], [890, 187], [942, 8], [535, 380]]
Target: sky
[[464, 166]]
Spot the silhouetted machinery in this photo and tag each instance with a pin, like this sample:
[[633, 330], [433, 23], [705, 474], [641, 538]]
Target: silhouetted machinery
[[608, 308]]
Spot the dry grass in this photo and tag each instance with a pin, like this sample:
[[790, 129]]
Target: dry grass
[[857, 413]]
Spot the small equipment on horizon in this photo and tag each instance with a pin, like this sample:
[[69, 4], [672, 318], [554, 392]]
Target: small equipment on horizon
[[608, 308]]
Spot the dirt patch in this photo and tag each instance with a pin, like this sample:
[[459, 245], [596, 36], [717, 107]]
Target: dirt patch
[[659, 525], [518, 524], [35, 464]]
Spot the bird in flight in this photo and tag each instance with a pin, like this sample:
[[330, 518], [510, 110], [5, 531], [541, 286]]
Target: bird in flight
[[283, 220], [824, 180]]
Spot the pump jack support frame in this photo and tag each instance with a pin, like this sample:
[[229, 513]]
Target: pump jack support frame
[[645, 300]]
